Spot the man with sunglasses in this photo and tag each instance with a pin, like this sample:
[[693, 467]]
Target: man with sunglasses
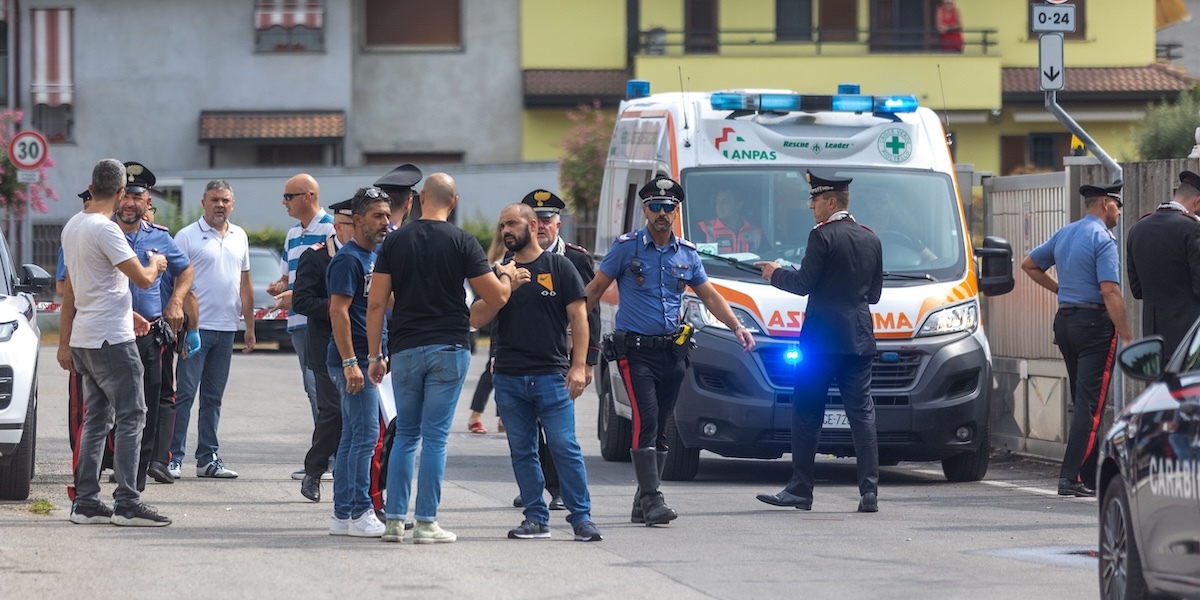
[[1163, 248], [301, 198], [1091, 314], [652, 268]]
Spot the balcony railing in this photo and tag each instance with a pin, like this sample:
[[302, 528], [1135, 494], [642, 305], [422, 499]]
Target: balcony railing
[[818, 41]]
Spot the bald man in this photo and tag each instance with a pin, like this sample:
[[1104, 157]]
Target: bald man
[[301, 198]]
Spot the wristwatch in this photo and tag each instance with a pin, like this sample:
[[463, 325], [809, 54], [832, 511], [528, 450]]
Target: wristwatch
[[375, 359]]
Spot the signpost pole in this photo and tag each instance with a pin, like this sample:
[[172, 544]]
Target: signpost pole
[[27, 227]]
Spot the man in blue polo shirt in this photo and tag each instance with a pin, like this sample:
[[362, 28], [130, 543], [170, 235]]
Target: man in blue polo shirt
[[1091, 314]]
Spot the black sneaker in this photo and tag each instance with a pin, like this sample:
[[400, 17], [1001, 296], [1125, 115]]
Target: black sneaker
[[587, 532], [556, 503], [139, 515], [528, 530], [91, 514]]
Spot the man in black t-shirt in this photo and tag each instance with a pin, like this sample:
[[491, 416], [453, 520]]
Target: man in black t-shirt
[[423, 265], [536, 378]]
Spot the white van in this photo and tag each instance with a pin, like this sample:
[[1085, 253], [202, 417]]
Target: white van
[[741, 157]]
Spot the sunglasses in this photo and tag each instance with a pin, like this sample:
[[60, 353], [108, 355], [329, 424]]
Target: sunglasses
[[1118, 202], [152, 209], [288, 197], [661, 206], [375, 193]]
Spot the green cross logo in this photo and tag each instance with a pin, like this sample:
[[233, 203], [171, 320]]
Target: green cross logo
[[895, 145]]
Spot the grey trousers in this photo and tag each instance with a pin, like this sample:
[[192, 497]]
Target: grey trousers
[[112, 395]]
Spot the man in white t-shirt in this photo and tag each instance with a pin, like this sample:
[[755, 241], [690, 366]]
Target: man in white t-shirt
[[220, 256], [301, 198], [97, 340]]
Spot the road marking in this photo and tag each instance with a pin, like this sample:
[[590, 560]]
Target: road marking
[[1003, 484]]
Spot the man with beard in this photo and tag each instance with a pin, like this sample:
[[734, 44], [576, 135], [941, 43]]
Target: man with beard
[[652, 268], [548, 207], [220, 255], [154, 325], [536, 383], [349, 282]]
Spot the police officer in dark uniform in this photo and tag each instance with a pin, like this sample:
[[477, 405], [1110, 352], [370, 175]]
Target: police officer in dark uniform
[[310, 297], [154, 326], [652, 268], [548, 207], [842, 275], [399, 183], [1163, 249], [1091, 314]]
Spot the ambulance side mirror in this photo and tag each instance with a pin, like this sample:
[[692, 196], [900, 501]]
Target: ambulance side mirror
[[995, 266]]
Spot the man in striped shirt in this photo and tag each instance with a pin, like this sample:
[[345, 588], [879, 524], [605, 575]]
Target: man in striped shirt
[[301, 199]]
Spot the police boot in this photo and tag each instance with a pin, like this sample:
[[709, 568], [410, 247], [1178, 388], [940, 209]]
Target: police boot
[[636, 515], [654, 510]]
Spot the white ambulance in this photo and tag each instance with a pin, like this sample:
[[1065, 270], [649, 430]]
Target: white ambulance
[[741, 156]]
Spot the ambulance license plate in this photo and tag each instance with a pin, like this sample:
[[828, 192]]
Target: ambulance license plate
[[836, 419]]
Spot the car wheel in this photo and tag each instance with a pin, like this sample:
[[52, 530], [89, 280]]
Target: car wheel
[[682, 462], [1120, 564], [15, 478], [969, 466], [614, 431]]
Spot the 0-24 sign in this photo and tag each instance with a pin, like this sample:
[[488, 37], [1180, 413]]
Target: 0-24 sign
[[28, 150]]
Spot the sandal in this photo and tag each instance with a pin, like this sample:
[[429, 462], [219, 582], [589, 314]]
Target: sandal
[[477, 427]]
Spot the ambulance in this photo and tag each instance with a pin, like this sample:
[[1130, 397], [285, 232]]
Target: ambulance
[[741, 156]]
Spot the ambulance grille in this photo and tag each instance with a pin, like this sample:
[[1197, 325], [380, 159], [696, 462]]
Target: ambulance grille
[[890, 370]]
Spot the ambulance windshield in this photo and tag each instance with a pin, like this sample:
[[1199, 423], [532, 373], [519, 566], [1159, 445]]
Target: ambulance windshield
[[763, 214]]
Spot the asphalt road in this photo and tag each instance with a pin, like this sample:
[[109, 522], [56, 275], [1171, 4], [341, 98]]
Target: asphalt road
[[256, 537]]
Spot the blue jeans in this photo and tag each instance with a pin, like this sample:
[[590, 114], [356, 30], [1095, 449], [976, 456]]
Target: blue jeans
[[300, 343], [360, 432], [523, 402], [206, 371], [426, 382]]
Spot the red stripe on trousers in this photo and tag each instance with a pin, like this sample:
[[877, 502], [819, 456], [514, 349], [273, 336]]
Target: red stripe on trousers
[[1108, 365], [623, 367]]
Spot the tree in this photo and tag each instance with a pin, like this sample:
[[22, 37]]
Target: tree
[[581, 170], [1169, 130], [12, 192]]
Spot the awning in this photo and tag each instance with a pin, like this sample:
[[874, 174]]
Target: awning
[[1169, 12], [278, 126], [569, 88], [53, 81], [289, 13]]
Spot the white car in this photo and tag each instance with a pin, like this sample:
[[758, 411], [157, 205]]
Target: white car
[[19, 341]]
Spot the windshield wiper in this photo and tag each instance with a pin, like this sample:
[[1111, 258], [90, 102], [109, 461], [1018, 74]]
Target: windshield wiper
[[925, 276], [734, 262]]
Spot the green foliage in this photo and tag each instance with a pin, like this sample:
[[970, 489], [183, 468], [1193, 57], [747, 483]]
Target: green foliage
[[585, 149], [1169, 130], [483, 228], [270, 237]]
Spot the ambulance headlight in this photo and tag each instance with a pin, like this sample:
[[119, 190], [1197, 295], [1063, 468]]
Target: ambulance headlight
[[952, 319], [695, 313]]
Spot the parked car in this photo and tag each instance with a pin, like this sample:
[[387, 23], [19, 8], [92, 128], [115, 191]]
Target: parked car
[[19, 340], [270, 323], [1149, 478]]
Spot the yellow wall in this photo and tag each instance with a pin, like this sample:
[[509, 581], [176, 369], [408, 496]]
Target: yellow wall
[[970, 82], [544, 130], [572, 34], [979, 144]]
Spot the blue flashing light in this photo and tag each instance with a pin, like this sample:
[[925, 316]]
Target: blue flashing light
[[779, 102], [637, 88], [895, 104], [852, 103], [792, 356], [727, 101], [849, 88]]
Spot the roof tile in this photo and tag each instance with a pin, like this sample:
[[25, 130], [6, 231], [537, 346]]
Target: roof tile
[[271, 125], [575, 82], [1153, 78]]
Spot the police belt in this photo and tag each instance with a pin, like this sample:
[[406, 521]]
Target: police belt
[[1063, 305], [648, 342]]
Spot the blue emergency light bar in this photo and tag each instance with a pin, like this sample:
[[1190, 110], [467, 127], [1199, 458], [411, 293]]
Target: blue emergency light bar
[[636, 88], [842, 102]]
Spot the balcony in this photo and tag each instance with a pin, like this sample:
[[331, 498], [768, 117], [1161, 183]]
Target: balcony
[[881, 61]]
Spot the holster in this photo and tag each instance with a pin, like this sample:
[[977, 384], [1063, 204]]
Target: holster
[[162, 333], [613, 345]]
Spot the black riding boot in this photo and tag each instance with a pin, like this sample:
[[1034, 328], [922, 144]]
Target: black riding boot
[[636, 515], [654, 509]]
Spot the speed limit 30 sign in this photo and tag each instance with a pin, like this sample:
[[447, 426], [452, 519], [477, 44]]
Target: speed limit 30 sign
[[28, 150]]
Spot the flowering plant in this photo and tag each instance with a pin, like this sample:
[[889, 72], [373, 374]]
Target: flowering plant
[[585, 149], [12, 192]]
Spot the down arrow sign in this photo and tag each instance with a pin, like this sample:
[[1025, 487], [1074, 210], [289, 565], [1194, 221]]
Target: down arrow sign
[[1051, 74]]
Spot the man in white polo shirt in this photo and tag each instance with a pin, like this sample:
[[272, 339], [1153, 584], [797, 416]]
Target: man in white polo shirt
[[301, 198], [220, 255]]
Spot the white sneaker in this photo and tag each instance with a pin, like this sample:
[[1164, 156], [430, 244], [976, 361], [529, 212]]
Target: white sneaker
[[339, 526], [366, 526], [175, 468], [216, 469], [431, 533]]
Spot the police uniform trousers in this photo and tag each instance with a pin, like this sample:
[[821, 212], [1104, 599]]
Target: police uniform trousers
[[852, 372], [150, 351], [652, 377], [1088, 342], [327, 431]]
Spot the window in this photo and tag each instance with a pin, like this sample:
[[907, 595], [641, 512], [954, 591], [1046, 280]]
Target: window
[[901, 26], [426, 23], [423, 158], [3, 61], [1080, 32], [1035, 153], [837, 21], [289, 26], [700, 26], [52, 83], [297, 155], [793, 20]]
